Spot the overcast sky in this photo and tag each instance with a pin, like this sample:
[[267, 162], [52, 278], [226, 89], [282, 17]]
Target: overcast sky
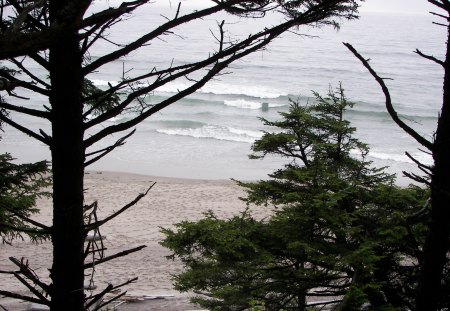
[[406, 6]]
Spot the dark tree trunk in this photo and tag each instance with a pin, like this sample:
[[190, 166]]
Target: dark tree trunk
[[436, 245], [68, 169]]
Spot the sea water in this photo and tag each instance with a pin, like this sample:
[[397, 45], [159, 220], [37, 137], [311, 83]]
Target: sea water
[[209, 134]]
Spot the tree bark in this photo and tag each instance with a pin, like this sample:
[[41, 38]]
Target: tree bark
[[436, 245], [67, 151]]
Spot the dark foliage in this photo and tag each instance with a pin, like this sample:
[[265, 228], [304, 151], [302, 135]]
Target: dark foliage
[[342, 232]]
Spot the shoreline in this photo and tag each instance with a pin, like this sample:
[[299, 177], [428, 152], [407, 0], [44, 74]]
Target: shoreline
[[171, 200]]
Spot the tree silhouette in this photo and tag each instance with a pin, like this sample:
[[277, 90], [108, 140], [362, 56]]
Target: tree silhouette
[[435, 255], [341, 233], [57, 35]]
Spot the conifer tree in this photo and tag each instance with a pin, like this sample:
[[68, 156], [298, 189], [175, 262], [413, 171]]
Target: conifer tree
[[341, 227], [20, 186], [434, 288], [57, 37]]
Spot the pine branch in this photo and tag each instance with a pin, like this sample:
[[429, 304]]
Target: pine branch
[[24, 229], [421, 140], [27, 219]]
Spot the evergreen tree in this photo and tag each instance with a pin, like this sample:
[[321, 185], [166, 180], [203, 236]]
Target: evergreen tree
[[58, 38], [20, 186], [340, 229]]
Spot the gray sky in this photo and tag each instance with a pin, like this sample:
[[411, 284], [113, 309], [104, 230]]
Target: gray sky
[[406, 6]]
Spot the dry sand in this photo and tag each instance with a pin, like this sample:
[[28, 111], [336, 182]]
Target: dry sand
[[169, 201]]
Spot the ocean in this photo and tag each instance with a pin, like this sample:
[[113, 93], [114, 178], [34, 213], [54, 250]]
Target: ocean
[[209, 134]]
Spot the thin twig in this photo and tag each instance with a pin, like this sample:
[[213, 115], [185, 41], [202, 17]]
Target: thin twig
[[123, 209], [108, 289], [105, 151]]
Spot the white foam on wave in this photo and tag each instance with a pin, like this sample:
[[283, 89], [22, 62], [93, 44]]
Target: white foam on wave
[[242, 89], [215, 132], [225, 89], [217, 88], [421, 157], [248, 133], [98, 82], [246, 104]]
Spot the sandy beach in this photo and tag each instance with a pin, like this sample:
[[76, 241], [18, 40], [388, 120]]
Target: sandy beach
[[169, 201]]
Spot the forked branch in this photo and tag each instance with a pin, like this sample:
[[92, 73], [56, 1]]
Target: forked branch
[[105, 151], [107, 290], [30, 274], [99, 223]]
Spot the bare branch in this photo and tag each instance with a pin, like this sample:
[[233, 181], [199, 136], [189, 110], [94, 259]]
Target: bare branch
[[117, 255], [323, 303], [235, 54], [108, 289], [14, 82], [439, 15], [20, 297], [417, 178], [25, 130], [99, 223], [441, 5], [43, 299], [30, 274], [155, 33], [109, 301], [105, 151], [421, 140], [425, 168], [108, 15], [430, 57], [23, 15], [29, 73], [24, 110], [440, 24]]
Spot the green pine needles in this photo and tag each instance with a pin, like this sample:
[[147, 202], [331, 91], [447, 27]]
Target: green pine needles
[[342, 233], [20, 186]]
